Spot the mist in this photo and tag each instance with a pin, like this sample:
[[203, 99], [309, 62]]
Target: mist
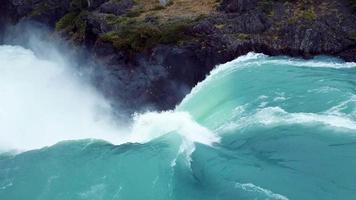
[[49, 93], [44, 97]]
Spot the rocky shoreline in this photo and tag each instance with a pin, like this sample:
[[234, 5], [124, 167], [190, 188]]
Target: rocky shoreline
[[153, 55]]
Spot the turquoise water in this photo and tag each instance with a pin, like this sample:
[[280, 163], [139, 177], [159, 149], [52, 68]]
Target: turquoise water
[[258, 127]]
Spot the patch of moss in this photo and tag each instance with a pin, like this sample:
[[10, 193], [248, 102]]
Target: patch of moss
[[136, 39], [74, 24], [220, 26], [353, 37], [271, 14], [139, 36], [275, 38], [174, 31], [79, 28], [243, 36], [39, 9], [67, 20], [123, 20], [308, 14], [134, 13]]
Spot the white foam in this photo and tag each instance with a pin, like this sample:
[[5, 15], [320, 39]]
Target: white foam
[[155, 124], [43, 102], [288, 61], [274, 116], [268, 194], [314, 63], [149, 126], [337, 110]]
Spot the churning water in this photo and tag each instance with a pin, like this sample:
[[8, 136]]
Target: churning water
[[258, 127]]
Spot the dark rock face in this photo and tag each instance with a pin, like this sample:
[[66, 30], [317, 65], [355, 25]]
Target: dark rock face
[[50, 11], [5, 8], [159, 77], [233, 6], [47, 12], [97, 24], [348, 55], [116, 7], [157, 80], [249, 22], [290, 28], [94, 4]]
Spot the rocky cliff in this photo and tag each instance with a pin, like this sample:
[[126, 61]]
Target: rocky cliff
[[152, 55]]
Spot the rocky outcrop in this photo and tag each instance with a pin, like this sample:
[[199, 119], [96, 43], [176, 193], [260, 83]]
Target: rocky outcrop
[[234, 6], [297, 29], [116, 7], [152, 55], [8, 16], [47, 12]]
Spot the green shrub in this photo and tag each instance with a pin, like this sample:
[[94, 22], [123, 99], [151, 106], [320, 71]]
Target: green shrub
[[66, 21], [243, 36], [121, 20], [309, 15], [74, 24], [134, 13], [137, 37]]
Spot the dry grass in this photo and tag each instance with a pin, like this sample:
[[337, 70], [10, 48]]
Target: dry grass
[[177, 8], [136, 34]]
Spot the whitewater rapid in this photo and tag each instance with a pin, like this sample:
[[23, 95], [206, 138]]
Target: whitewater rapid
[[45, 101], [258, 127]]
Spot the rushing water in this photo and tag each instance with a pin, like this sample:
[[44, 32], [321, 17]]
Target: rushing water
[[258, 127]]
